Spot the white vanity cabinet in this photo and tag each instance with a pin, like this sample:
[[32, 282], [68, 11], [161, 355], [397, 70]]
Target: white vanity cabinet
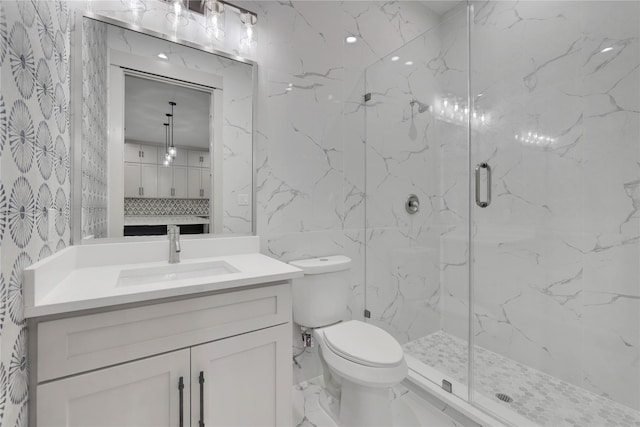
[[141, 393], [221, 359]]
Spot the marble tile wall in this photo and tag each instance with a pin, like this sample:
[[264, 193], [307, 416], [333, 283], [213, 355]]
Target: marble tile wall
[[556, 254], [34, 171]]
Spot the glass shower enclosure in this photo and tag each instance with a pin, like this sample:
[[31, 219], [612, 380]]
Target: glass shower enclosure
[[516, 126]]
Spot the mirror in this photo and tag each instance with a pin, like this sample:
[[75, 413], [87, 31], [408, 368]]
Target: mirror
[[132, 84]]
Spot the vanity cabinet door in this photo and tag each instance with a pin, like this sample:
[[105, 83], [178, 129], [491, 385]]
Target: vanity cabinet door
[[247, 380], [135, 394]]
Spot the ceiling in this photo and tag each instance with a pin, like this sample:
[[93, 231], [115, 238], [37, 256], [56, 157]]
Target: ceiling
[[441, 7], [146, 104]]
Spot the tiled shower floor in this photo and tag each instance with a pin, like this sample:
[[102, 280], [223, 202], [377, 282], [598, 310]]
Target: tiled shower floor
[[537, 396]]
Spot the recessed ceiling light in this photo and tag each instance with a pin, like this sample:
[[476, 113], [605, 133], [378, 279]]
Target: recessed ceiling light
[[408, 63], [162, 55], [606, 49], [395, 58], [351, 39]]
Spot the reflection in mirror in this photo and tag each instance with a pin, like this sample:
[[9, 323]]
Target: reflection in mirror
[[128, 80], [167, 167]]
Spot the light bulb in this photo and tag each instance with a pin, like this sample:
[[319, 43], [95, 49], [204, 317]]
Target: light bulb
[[248, 40], [172, 151], [177, 12], [214, 13]]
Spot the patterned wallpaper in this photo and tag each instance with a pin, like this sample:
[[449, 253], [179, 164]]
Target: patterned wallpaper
[[134, 206], [94, 129], [34, 171]]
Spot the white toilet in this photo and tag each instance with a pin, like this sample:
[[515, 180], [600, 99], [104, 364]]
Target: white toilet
[[361, 361]]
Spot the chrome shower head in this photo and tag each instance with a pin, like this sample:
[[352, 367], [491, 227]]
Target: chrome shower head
[[421, 107]]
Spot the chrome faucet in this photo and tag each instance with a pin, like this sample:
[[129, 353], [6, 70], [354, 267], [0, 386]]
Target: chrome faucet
[[173, 234]]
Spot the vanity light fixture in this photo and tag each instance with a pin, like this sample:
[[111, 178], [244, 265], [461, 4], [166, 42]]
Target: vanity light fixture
[[214, 13], [351, 39]]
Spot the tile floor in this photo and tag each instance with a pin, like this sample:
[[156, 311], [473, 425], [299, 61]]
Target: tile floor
[[409, 410], [537, 396]]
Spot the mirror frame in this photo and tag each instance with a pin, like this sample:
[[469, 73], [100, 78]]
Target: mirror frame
[[75, 120]]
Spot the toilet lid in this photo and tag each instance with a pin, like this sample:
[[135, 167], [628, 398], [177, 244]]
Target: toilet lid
[[362, 343]]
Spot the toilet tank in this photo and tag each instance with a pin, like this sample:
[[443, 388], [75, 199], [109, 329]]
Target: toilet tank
[[320, 296]]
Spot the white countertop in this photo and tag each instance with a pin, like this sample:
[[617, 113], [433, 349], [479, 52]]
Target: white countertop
[[81, 277], [165, 220]]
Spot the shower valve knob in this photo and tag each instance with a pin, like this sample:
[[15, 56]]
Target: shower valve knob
[[413, 204]]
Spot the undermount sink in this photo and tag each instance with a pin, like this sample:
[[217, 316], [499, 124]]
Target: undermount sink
[[168, 273]]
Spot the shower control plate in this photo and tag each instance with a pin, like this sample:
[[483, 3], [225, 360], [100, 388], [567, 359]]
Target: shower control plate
[[412, 204]]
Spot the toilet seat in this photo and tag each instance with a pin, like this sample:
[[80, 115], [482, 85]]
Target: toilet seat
[[364, 344], [382, 375]]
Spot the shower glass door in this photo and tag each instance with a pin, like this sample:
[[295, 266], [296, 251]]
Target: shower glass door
[[555, 169], [417, 284]]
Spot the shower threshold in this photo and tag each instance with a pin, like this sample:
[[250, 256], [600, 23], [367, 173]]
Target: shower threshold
[[538, 399]]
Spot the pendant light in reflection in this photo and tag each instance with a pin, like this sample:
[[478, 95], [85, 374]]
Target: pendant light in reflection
[[172, 148], [167, 156]]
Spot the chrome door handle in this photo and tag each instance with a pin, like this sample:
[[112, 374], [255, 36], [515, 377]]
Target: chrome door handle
[[479, 202]]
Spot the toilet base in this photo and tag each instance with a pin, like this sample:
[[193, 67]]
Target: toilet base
[[359, 406], [364, 406]]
